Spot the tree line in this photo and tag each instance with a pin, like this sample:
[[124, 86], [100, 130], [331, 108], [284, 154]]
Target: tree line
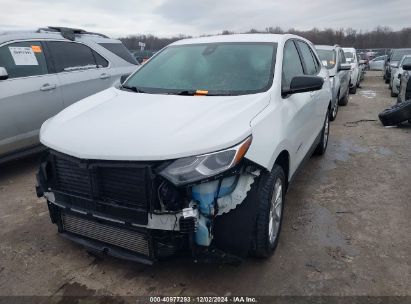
[[380, 37]]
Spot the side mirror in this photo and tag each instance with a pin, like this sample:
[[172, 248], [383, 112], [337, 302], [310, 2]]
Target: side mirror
[[344, 67], [301, 84], [123, 78], [406, 67], [3, 74]]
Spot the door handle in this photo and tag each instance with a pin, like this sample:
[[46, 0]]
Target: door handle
[[48, 87], [105, 76]]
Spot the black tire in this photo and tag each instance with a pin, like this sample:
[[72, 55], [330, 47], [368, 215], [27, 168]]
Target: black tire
[[393, 94], [334, 111], [343, 101], [396, 114], [322, 145], [353, 89], [263, 247]]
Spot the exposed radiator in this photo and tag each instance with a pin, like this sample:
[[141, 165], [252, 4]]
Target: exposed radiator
[[127, 239]]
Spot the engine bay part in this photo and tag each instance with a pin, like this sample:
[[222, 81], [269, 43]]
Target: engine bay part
[[87, 197], [217, 197]]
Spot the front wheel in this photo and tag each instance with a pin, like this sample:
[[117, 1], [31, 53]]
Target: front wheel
[[322, 145], [270, 212]]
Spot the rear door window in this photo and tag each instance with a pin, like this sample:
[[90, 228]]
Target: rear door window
[[71, 56], [292, 65], [23, 59], [121, 51]]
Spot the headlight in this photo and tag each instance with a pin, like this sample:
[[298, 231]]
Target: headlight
[[195, 168]]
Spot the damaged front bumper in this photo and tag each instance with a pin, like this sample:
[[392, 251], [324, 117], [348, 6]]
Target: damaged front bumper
[[125, 209]]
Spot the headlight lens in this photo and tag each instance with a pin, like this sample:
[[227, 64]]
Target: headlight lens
[[195, 168]]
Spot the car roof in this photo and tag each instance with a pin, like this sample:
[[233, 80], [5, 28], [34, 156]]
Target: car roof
[[43, 34], [349, 49], [326, 47], [276, 38]]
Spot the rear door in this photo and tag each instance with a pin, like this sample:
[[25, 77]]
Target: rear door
[[81, 70], [312, 67], [28, 97]]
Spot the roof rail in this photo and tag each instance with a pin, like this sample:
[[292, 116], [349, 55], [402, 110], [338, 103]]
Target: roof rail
[[67, 32]]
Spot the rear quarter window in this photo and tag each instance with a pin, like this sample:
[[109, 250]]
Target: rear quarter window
[[23, 59], [121, 51]]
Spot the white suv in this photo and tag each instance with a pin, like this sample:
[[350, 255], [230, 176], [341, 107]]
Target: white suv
[[194, 152], [352, 59]]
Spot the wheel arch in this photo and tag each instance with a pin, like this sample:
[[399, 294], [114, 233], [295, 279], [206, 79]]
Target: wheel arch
[[283, 160]]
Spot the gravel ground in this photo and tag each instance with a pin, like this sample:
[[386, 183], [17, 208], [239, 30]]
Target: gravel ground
[[346, 228]]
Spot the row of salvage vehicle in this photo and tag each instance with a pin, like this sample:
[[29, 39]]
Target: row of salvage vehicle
[[396, 72], [193, 153]]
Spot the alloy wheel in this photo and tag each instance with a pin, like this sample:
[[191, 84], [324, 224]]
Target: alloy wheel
[[276, 209]]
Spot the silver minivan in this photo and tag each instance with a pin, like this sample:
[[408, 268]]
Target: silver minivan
[[333, 58], [44, 71]]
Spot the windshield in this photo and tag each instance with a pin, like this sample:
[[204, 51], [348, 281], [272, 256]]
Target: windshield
[[327, 58], [407, 60], [349, 55], [398, 54], [211, 68]]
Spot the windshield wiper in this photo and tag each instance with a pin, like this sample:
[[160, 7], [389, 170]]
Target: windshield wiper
[[184, 93], [194, 92], [134, 89]]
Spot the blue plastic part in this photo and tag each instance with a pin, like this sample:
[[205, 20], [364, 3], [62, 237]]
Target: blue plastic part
[[205, 194], [202, 236]]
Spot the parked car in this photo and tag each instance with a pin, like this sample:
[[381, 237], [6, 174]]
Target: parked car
[[392, 63], [355, 76], [405, 84], [377, 64], [333, 58], [195, 151], [362, 67], [396, 77], [143, 56], [44, 71]]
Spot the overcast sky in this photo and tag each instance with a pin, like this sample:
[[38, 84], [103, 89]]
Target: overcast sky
[[165, 18]]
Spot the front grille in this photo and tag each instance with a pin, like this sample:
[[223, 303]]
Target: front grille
[[71, 177], [116, 236], [103, 186]]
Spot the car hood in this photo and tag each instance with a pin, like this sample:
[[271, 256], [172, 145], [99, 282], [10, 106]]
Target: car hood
[[122, 125]]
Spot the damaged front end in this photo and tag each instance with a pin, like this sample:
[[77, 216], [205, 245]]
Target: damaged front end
[[147, 211]]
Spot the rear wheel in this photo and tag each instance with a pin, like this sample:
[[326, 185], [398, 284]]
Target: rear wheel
[[322, 145], [344, 100], [353, 89], [334, 111]]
